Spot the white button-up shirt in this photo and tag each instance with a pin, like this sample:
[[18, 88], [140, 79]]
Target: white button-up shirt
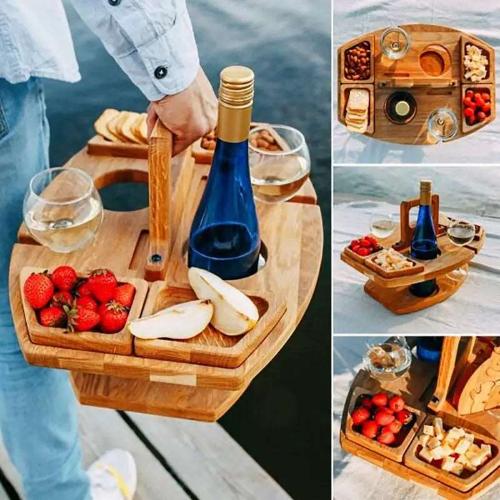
[[151, 40]]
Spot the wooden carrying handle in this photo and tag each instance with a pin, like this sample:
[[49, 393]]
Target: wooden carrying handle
[[406, 229], [159, 166]]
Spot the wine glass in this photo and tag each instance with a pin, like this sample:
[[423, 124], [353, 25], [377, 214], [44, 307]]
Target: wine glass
[[395, 42], [442, 124], [460, 233], [382, 225], [389, 360], [62, 209], [279, 162]]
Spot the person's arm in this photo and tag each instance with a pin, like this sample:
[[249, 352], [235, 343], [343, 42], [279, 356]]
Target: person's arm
[[153, 42]]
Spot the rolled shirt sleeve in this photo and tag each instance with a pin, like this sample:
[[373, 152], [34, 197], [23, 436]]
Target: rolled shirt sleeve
[[151, 40]]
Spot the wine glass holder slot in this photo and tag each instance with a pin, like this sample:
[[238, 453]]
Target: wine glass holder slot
[[393, 290], [196, 379], [437, 390], [432, 73]]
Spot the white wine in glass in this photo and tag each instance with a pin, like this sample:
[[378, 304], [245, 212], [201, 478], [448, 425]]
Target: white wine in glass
[[62, 209], [382, 226]]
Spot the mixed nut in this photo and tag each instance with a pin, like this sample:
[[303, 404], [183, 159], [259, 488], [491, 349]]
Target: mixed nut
[[263, 139], [357, 62]]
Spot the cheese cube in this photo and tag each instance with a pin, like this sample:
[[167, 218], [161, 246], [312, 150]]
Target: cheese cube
[[437, 453], [457, 469], [462, 459], [447, 451], [453, 434], [426, 455], [429, 430], [460, 431], [452, 443], [468, 466], [462, 446], [479, 458], [438, 427], [469, 437], [487, 448], [447, 464], [473, 450], [423, 439], [434, 442]]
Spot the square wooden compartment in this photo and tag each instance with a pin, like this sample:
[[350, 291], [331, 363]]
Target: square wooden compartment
[[490, 70], [394, 453], [210, 347], [344, 96], [477, 86], [413, 461], [417, 268], [341, 59], [114, 343]]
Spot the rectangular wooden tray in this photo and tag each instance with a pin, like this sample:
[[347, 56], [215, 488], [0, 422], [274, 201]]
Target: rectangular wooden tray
[[341, 55], [343, 97], [359, 258], [99, 146], [417, 268], [114, 343], [476, 86], [393, 453], [210, 347], [461, 484], [491, 60]]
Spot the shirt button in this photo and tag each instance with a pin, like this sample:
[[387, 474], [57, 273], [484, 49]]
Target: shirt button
[[161, 72], [114, 2]]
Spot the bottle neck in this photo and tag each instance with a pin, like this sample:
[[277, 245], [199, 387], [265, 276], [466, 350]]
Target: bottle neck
[[233, 123], [425, 198]]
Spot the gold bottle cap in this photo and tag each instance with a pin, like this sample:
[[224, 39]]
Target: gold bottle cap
[[425, 186], [402, 108], [236, 87]]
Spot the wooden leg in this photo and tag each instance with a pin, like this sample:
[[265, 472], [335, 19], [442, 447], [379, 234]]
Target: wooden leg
[[157, 398], [401, 301]]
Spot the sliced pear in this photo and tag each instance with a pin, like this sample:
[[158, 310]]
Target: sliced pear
[[234, 312], [181, 321]]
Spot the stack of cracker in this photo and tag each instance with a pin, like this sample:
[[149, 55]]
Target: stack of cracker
[[358, 104], [122, 126]]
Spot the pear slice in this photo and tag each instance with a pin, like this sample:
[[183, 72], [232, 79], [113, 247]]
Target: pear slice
[[234, 312], [181, 321]]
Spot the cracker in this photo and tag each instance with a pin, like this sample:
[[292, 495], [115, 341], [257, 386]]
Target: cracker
[[101, 123]]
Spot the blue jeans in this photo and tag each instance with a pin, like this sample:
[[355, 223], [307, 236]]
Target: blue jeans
[[38, 417]]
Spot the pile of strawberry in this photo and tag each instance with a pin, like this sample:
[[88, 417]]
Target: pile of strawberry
[[382, 418], [365, 246], [62, 299], [477, 106]]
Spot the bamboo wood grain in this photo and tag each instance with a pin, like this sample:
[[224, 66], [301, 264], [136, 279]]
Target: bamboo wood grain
[[210, 347], [430, 92]]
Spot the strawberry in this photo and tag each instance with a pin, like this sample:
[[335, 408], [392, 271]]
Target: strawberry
[[102, 283], [62, 298], [64, 278], [396, 403], [363, 251], [404, 416], [366, 401], [52, 316], [83, 289], [383, 417], [124, 295], [87, 302], [394, 426], [113, 317], [365, 242], [359, 415], [485, 96], [386, 437], [380, 399], [81, 319], [38, 290], [369, 429]]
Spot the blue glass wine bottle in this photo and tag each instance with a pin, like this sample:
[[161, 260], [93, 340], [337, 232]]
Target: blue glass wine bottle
[[424, 243], [224, 236]]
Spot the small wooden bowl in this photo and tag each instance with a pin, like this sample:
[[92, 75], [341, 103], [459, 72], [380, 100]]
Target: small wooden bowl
[[114, 343], [413, 461], [487, 50], [344, 97], [210, 347], [341, 58], [417, 268], [466, 128], [395, 453]]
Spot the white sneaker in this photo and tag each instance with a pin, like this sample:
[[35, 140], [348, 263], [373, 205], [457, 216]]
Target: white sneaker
[[113, 476]]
